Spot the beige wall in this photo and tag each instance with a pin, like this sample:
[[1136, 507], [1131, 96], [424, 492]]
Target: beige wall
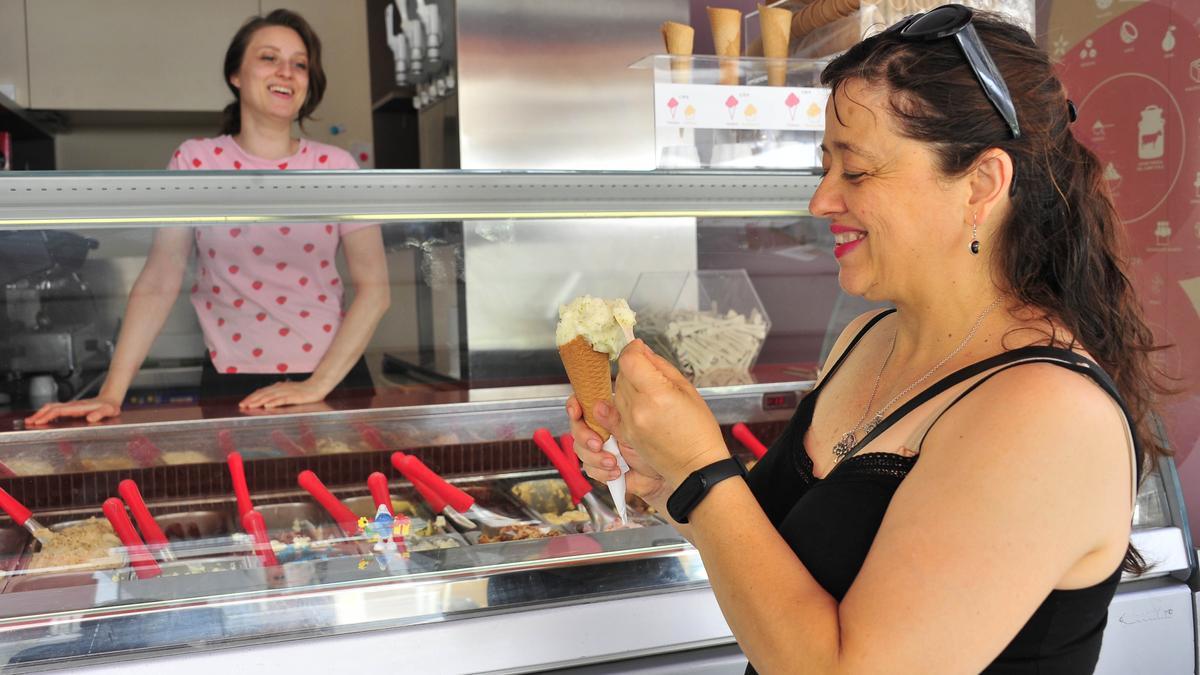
[[125, 144], [342, 27], [124, 148], [130, 54], [14, 66]]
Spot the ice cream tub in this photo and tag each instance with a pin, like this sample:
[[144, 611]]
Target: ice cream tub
[[66, 580], [364, 506], [185, 578], [194, 525], [551, 500], [302, 531], [496, 499]]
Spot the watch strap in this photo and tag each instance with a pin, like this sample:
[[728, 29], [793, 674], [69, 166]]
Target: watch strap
[[696, 486]]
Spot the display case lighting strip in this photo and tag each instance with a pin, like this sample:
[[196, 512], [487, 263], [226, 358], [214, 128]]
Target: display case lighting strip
[[401, 217], [166, 198]]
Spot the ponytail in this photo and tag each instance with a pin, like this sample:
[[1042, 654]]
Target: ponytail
[[231, 118]]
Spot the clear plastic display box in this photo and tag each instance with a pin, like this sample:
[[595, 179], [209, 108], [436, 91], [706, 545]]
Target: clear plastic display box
[[737, 113], [710, 323]]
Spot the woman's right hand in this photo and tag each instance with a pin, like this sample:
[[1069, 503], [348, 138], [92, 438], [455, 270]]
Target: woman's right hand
[[94, 409]]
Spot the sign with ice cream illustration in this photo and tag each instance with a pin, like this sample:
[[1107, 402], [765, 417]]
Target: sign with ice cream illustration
[[1133, 70], [714, 106]]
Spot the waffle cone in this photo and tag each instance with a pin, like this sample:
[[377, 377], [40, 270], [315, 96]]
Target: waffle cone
[[678, 38], [726, 30], [590, 376], [776, 25], [727, 38]]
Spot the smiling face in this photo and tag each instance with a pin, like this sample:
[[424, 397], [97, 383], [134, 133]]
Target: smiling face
[[273, 77], [897, 221]]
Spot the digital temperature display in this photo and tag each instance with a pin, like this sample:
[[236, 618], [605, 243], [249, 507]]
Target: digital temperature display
[[782, 400]]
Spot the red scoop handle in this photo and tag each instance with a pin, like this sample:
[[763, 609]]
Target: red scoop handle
[[372, 437], [431, 497], [237, 472], [15, 509], [567, 442], [287, 445], [139, 557], [133, 497], [746, 438], [307, 440], [342, 515], [253, 523], [144, 451], [569, 471], [225, 440], [415, 470], [377, 482]]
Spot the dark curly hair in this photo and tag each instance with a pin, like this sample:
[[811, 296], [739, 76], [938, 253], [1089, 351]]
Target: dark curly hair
[[231, 117], [1058, 249]]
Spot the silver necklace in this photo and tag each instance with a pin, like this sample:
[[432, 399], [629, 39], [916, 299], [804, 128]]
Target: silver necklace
[[845, 446]]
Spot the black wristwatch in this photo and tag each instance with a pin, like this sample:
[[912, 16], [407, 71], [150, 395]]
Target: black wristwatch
[[694, 488]]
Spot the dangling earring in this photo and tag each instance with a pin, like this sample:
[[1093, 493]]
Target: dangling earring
[[975, 234]]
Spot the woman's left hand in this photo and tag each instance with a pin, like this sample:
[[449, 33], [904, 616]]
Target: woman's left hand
[[285, 393], [664, 417]]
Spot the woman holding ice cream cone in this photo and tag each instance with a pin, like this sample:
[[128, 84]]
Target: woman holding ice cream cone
[[955, 494]]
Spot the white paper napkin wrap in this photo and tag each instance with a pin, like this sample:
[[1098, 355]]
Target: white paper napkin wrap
[[616, 487]]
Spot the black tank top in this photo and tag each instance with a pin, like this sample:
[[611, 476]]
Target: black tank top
[[830, 522]]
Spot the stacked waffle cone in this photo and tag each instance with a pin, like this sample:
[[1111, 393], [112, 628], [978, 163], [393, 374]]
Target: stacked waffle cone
[[822, 12], [591, 378]]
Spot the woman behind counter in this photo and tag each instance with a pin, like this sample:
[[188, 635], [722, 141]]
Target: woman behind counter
[[269, 299], [955, 494]]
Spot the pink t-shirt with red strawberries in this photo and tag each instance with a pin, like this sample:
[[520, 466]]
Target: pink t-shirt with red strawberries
[[269, 297]]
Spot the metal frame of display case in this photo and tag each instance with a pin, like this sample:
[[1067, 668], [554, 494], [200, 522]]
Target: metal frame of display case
[[99, 199]]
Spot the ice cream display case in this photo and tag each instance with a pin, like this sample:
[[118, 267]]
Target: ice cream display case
[[407, 524], [438, 525]]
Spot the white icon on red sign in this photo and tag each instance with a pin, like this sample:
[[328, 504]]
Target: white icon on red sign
[[1162, 232], [1194, 71], [1168, 41], [1129, 32], [1151, 133], [1089, 50], [1112, 176], [1103, 4]]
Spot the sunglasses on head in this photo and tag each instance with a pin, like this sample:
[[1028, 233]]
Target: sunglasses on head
[[955, 20]]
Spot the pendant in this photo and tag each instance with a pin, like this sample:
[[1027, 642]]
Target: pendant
[[844, 446]]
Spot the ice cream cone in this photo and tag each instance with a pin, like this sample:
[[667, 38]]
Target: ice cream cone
[[590, 376], [679, 38], [776, 30], [727, 38]]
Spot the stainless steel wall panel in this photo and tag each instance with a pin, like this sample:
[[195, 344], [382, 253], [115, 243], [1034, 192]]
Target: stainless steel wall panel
[[546, 85]]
